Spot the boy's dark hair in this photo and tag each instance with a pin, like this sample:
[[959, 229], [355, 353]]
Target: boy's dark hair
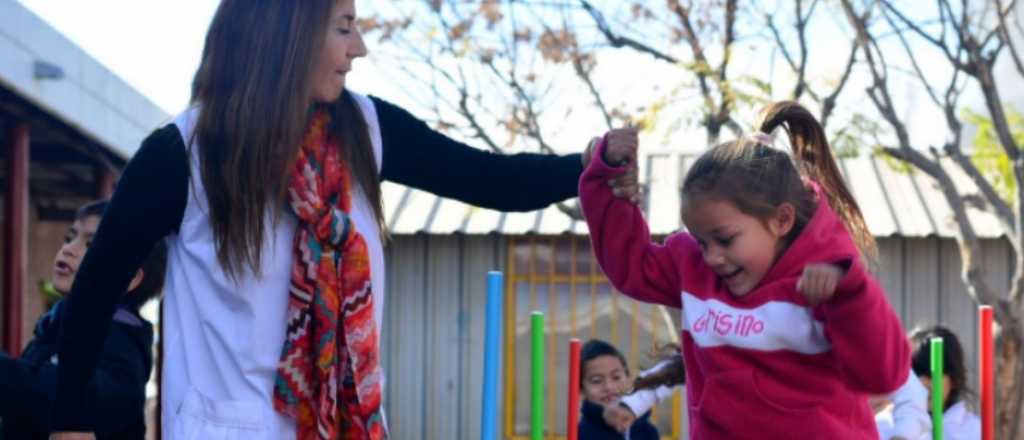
[[953, 364], [95, 208], [594, 349], [153, 269]]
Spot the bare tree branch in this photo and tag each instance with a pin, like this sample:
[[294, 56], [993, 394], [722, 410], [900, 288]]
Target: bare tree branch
[[949, 105], [970, 247], [584, 75], [829, 103], [801, 31], [940, 43], [701, 66], [619, 41], [727, 101]]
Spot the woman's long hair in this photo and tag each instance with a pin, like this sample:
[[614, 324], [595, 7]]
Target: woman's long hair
[[253, 90]]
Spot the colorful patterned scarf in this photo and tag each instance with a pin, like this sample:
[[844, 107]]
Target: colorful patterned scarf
[[328, 379]]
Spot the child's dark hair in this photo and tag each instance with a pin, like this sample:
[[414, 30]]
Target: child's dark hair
[[95, 208], [758, 178], [672, 372], [153, 269], [594, 349], [953, 363]]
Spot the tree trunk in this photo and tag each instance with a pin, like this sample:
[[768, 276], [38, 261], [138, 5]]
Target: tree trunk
[[1009, 383]]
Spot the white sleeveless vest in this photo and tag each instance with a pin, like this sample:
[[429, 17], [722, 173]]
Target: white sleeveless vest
[[223, 338]]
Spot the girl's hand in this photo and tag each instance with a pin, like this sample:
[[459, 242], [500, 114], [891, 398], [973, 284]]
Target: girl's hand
[[72, 436], [622, 146], [619, 417], [818, 282], [627, 186]]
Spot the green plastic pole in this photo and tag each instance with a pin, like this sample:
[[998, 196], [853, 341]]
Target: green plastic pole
[[937, 374], [537, 376]]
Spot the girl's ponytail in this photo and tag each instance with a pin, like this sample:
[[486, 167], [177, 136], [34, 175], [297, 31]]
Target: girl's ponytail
[[813, 157]]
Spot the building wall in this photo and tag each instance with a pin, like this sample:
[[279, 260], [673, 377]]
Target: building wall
[[44, 242], [434, 333], [45, 239], [433, 336]]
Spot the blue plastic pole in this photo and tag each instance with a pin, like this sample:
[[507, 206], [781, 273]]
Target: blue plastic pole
[[492, 356]]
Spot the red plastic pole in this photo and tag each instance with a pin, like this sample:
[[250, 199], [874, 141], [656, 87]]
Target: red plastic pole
[[15, 237], [572, 431], [986, 361]]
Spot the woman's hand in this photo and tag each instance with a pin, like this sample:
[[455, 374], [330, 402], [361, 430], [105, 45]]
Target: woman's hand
[[622, 146], [624, 143]]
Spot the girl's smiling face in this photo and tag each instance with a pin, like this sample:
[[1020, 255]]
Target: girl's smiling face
[[738, 247]]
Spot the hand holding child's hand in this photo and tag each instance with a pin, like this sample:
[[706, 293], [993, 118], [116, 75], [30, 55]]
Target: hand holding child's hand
[[819, 281], [627, 186], [619, 417], [622, 146]]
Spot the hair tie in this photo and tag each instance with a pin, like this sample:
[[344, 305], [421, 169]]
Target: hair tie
[[761, 138]]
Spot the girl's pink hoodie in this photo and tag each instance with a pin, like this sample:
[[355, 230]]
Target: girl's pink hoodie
[[766, 365]]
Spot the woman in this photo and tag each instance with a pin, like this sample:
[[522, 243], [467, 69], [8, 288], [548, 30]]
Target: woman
[[267, 191]]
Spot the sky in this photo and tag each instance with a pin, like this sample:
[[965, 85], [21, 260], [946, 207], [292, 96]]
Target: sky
[[155, 47]]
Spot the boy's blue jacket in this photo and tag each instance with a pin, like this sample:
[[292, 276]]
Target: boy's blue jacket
[[593, 427], [28, 383]]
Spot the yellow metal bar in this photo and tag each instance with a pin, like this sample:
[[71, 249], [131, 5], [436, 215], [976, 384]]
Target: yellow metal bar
[[634, 345], [654, 341], [510, 342], [677, 408], [655, 328], [593, 295], [562, 437], [599, 278], [572, 285], [531, 279], [552, 348], [533, 273], [615, 316]]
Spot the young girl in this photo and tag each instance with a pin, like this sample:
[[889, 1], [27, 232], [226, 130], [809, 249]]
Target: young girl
[[785, 331], [958, 421], [268, 190], [604, 379]]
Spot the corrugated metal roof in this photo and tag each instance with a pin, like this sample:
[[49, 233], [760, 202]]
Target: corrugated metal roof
[[894, 202]]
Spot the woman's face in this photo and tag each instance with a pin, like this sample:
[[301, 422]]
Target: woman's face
[[343, 44]]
